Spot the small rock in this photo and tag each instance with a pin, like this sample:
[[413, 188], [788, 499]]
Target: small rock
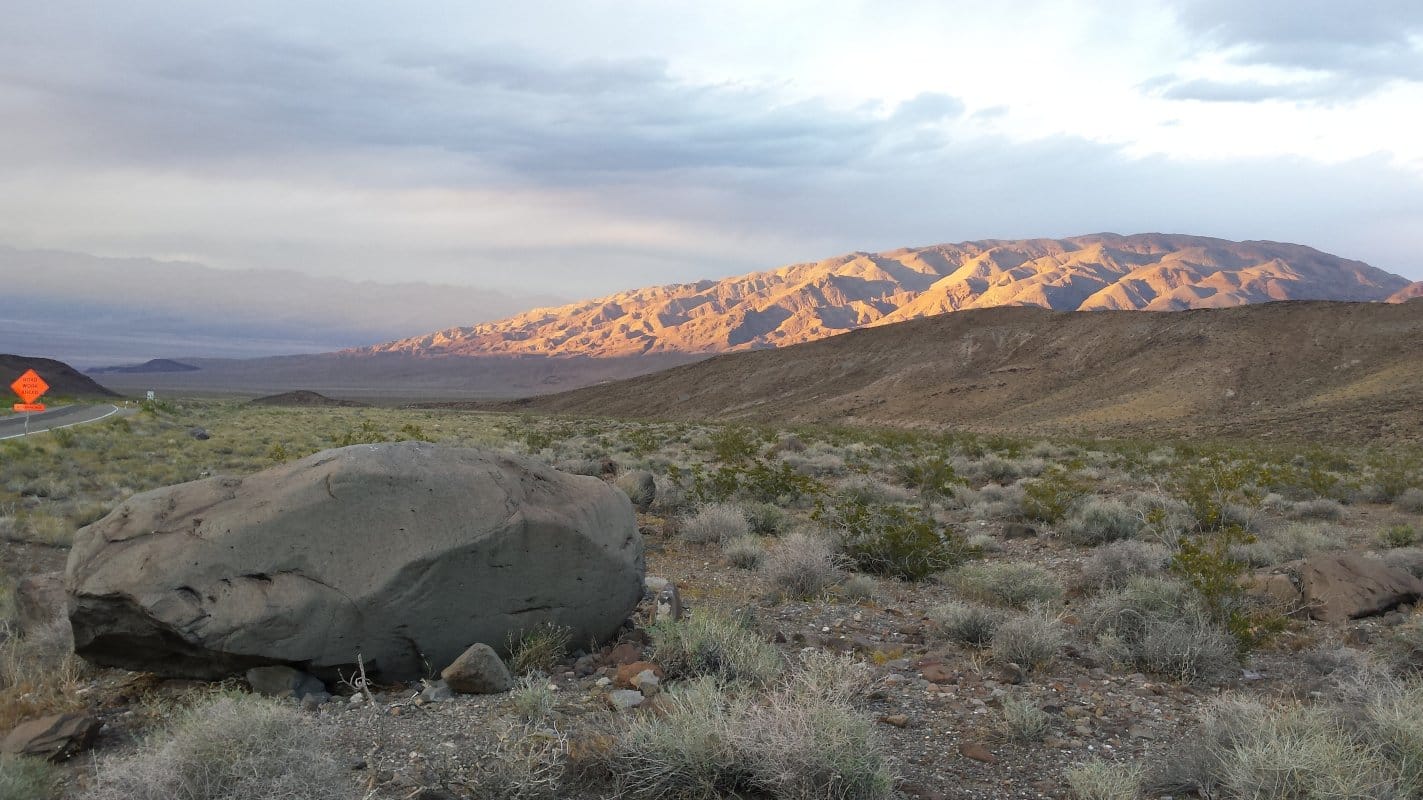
[[478, 670], [628, 673], [897, 720], [936, 673], [283, 681], [603, 682], [1017, 530], [647, 682], [977, 752], [437, 692], [669, 604], [57, 737], [585, 666], [199, 433], [624, 653], [312, 703], [624, 699]]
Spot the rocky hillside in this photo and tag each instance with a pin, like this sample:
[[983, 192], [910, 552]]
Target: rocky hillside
[[63, 380], [805, 302], [1291, 370], [1410, 292]]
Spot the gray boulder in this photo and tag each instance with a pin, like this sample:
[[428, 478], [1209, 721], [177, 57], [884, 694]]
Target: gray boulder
[[478, 670], [284, 682], [403, 553]]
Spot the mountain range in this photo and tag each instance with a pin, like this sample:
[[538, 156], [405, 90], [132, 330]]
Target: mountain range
[[809, 301]]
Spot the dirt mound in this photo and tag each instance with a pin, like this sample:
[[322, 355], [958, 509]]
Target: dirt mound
[[305, 398], [1294, 370], [63, 380]]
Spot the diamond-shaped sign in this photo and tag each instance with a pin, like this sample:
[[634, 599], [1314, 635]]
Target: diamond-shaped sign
[[30, 386]]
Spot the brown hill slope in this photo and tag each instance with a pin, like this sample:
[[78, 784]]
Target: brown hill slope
[[1412, 291], [805, 302], [63, 380], [1297, 370]]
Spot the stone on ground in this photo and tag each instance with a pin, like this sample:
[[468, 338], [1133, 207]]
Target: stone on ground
[[285, 682], [402, 553], [57, 737], [478, 670]]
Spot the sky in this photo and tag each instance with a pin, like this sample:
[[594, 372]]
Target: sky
[[581, 148]]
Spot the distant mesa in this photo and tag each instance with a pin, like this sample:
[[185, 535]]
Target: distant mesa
[[152, 365], [63, 380], [805, 302], [306, 398]]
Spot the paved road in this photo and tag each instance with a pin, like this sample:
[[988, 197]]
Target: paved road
[[62, 417]]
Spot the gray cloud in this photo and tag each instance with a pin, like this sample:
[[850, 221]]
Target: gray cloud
[[1339, 50]]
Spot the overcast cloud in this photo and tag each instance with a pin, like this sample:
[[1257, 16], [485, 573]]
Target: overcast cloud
[[582, 148]]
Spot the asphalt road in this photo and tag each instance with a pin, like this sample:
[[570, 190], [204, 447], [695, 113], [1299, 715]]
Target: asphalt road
[[63, 417]]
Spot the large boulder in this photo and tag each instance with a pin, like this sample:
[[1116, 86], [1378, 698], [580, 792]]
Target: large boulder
[[1336, 587], [403, 553]]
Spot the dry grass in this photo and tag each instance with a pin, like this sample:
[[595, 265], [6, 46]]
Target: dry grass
[[39, 674]]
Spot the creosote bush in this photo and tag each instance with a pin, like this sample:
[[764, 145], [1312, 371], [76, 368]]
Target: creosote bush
[[234, 746], [890, 540]]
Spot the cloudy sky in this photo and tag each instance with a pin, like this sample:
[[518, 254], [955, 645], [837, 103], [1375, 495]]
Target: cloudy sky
[[575, 148]]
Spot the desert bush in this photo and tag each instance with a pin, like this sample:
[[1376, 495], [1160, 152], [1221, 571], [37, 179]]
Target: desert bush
[[28, 779], [538, 649], [532, 697], [1319, 508], [932, 478], [1409, 559], [1052, 494], [765, 519], [995, 501], [39, 673], [670, 498], [801, 565], [1004, 583], [1103, 780], [743, 552], [833, 677], [712, 645], [983, 543], [1021, 720], [709, 744], [716, 522], [869, 490], [969, 623], [1164, 517], [234, 746], [1031, 640], [1410, 500], [859, 588], [890, 540], [522, 762], [1159, 626], [1095, 521], [1398, 536], [1288, 543], [1112, 565]]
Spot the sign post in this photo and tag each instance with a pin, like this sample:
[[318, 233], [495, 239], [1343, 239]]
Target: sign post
[[29, 387]]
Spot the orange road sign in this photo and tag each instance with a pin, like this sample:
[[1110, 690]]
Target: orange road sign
[[28, 406], [29, 386]]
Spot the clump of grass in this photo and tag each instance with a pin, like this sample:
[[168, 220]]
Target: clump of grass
[[715, 523], [1103, 780], [712, 645], [743, 552], [969, 623], [39, 674], [232, 746], [1159, 626], [1021, 720], [859, 588], [1031, 640], [1408, 559], [1094, 521], [1398, 536], [708, 743], [802, 565], [1318, 508], [1112, 565], [1410, 500], [1289, 543], [523, 762], [538, 649], [532, 697], [1005, 583], [28, 779]]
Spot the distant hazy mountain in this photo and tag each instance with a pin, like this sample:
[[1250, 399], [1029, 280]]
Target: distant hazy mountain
[[100, 311], [1411, 291], [804, 302]]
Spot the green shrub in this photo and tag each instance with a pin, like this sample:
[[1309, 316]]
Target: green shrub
[[1398, 536], [1005, 583], [1052, 494], [712, 645], [234, 746], [1159, 626], [890, 540]]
